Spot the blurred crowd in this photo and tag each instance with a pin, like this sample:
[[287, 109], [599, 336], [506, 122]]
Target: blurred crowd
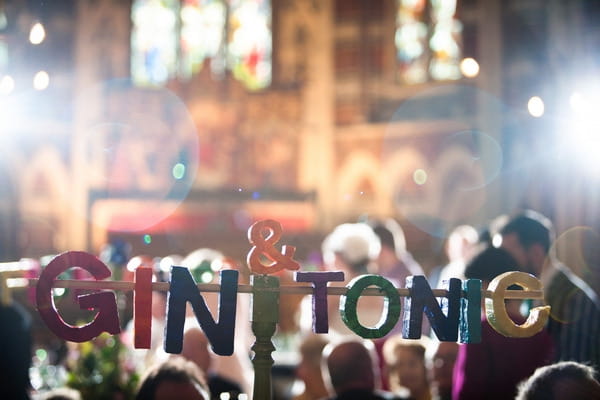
[[564, 358]]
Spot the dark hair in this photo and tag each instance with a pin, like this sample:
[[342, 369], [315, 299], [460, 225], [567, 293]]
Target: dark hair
[[175, 369], [489, 263], [350, 363], [390, 234], [15, 351], [531, 228], [576, 378]]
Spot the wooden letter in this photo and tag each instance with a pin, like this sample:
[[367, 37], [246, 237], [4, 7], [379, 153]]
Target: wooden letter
[[107, 319], [391, 308], [422, 300], [142, 308], [495, 308], [264, 245], [183, 289], [319, 300], [470, 312]]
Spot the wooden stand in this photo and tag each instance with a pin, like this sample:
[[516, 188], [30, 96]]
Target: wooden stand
[[265, 315]]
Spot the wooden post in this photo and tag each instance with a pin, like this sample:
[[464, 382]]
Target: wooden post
[[265, 315]]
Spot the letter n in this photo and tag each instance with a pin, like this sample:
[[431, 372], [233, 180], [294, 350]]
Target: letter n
[[183, 289], [421, 300]]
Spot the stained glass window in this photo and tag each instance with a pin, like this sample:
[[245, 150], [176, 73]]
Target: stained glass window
[[153, 41], [427, 40], [175, 38], [249, 42], [202, 32]]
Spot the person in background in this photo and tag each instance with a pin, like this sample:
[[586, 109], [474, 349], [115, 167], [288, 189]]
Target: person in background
[[174, 378], [493, 368], [195, 349], [205, 265], [15, 352], [563, 380], [527, 237], [405, 366], [309, 368], [441, 357], [459, 248], [574, 322], [393, 262], [352, 372]]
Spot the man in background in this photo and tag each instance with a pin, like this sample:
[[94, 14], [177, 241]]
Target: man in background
[[574, 322]]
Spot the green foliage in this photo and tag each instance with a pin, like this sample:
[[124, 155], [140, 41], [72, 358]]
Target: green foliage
[[99, 370]]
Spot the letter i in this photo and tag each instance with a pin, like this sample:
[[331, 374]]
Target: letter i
[[142, 308]]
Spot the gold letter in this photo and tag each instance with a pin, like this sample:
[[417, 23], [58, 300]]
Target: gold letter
[[495, 308]]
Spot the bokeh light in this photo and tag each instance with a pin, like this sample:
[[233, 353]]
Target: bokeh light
[[469, 67], [579, 135], [578, 248], [41, 80], [37, 34], [535, 106], [7, 84], [419, 176]]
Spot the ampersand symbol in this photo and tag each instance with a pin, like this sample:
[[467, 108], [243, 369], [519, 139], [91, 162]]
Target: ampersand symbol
[[264, 245]]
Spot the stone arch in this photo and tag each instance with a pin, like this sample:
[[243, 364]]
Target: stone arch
[[360, 168]]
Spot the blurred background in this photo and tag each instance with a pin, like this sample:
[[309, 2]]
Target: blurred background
[[152, 128], [174, 125]]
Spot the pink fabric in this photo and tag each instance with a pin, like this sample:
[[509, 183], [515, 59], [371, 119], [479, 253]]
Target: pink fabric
[[493, 368]]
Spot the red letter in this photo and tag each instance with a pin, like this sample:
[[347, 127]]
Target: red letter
[[142, 308]]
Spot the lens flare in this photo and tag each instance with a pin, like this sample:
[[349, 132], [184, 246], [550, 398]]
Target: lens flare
[[444, 179], [141, 160]]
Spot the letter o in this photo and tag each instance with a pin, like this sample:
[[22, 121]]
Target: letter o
[[391, 307]]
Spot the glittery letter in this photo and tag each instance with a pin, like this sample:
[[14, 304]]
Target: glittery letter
[[495, 307], [107, 319], [391, 307], [319, 300], [421, 300], [470, 312], [184, 289]]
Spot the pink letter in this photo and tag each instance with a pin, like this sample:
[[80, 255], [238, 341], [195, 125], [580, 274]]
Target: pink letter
[[107, 319]]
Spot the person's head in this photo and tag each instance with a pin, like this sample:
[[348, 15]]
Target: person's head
[[350, 366], [309, 367], [563, 380], [173, 376], [391, 235], [528, 237], [461, 243], [441, 357], [405, 364], [489, 263], [351, 247], [195, 348]]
